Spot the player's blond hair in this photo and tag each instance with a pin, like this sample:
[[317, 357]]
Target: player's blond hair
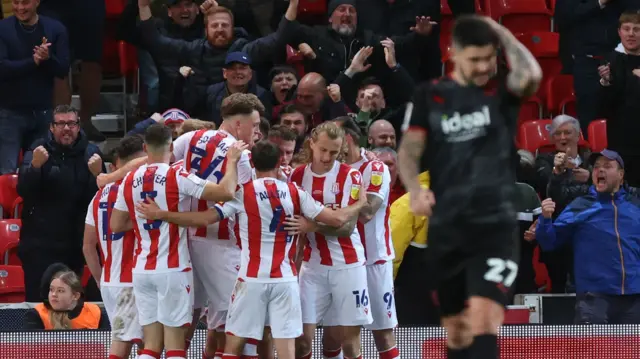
[[193, 124], [333, 131]]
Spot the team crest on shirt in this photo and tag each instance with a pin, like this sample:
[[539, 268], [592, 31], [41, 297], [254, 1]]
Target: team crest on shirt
[[355, 191], [376, 178], [335, 189]]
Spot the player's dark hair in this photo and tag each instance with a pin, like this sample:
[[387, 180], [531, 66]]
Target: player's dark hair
[[265, 156], [282, 133], [265, 126], [472, 30], [291, 108], [157, 136], [128, 147], [349, 126]]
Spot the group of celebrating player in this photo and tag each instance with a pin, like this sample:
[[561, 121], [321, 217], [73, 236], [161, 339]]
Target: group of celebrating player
[[278, 251], [203, 218]]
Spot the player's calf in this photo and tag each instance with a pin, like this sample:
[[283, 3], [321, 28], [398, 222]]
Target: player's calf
[[153, 341], [120, 350], [386, 343], [459, 336], [265, 346], [303, 343], [485, 318], [332, 342], [174, 342], [351, 342]]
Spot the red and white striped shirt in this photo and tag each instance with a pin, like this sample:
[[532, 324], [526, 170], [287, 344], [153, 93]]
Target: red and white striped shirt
[[204, 153], [376, 234], [267, 249], [161, 246], [340, 187], [116, 249]]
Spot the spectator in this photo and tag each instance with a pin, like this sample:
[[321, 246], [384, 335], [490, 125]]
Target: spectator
[[590, 26], [33, 51], [291, 116], [389, 157], [620, 88], [184, 21], [84, 20], [62, 305], [335, 45], [262, 130], [604, 231], [57, 181], [173, 118], [207, 56], [527, 205], [285, 139], [563, 175], [262, 11], [238, 78], [368, 96], [283, 81], [315, 101], [381, 134], [414, 305]]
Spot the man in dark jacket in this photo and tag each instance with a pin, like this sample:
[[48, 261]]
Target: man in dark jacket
[[57, 181], [206, 56], [336, 43], [604, 231], [184, 21], [34, 50]]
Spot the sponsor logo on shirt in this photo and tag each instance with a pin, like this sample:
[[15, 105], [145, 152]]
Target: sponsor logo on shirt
[[460, 128]]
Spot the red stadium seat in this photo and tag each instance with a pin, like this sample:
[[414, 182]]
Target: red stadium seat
[[598, 135], [559, 93], [446, 20], [521, 16], [8, 194], [312, 12], [11, 284], [17, 208], [9, 238], [114, 8], [545, 47], [534, 135], [295, 59], [531, 109]]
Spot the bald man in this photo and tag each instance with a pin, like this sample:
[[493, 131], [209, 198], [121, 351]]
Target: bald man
[[382, 134]]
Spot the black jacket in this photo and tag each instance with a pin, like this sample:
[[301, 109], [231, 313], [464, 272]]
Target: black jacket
[[167, 66], [218, 92], [621, 103], [56, 196]]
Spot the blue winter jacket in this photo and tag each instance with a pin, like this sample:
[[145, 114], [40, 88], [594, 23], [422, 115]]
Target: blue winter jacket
[[604, 230]]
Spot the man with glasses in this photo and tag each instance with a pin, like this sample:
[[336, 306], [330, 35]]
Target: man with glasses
[[57, 181]]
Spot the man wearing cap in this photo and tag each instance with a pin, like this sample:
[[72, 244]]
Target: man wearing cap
[[337, 44], [603, 228], [172, 117], [238, 78], [159, 73]]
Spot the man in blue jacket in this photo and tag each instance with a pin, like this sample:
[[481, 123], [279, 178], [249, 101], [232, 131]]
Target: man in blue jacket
[[33, 51], [604, 229]]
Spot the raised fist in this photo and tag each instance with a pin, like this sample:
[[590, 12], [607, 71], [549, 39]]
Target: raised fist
[[95, 164], [208, 4], [40, 157], [560, 162], [186, 71], [548, 207], [333, 91]]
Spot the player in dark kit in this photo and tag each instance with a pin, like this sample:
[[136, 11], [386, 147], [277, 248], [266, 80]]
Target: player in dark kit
[[468, 131]]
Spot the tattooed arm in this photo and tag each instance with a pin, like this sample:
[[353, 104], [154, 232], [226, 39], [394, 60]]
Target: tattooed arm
[[369, 210], [525, 75], [344, 231]]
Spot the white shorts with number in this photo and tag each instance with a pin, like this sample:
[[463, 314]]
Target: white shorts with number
[[335, 296], [255, 305], [120, 304], [164, 297], [217, 266], [383, 306]]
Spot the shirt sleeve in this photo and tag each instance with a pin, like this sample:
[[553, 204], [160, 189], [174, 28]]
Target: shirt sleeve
[[181, 146], [121, 204], [231, 208], [417, 111], [190, 184], [351, 189], [89, 217], [245, 170], [379, 179], [310, 207]]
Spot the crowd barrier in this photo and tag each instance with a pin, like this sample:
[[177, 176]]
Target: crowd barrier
[[516, 342]]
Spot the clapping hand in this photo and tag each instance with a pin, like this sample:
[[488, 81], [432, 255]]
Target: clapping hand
[[357, 64], [389, 52], [423, 26]]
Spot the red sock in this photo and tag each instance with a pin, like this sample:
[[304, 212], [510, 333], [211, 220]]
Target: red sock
[[218, 354], [392, 353], [176, 354], [149, 354], [308, 356], [331, 353], [230, 356], [358, 357], [113, 356]]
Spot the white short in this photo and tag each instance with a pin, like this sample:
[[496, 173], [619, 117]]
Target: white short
[[216, 320], [217, 266], [120, 304], [383, 306], [199, 293], [164, 297], [255, 305], [342, 293]]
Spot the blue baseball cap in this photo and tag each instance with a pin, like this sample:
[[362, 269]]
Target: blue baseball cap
[[237, 57], [609, 154]]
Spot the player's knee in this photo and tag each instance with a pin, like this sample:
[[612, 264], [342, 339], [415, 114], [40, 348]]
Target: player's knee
[[485, 315], [458, 331], [120, 349], [331, 337], [384, 339], [303, 345], [351, 341]]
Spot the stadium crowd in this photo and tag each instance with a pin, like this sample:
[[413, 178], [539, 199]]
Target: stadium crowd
[[244, 92]]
